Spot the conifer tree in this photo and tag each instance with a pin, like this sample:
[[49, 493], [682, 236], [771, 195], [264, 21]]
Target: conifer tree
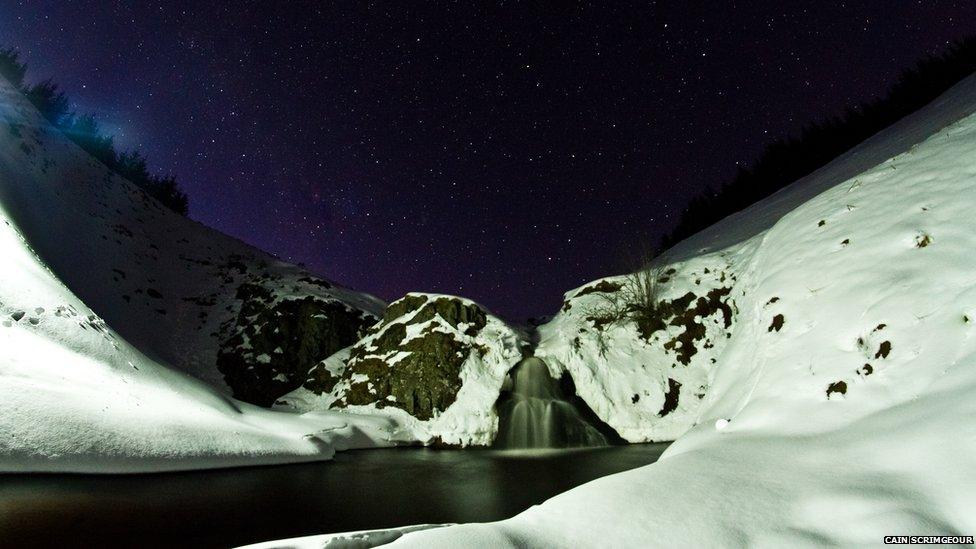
[[11, 68], [49, 100]]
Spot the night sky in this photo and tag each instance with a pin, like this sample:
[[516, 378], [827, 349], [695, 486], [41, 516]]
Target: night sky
[[506, 153]]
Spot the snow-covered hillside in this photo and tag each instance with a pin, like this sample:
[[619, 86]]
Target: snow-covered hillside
[[97, 389], [838, 411], [649, 386], [77, 397], [172, 287]]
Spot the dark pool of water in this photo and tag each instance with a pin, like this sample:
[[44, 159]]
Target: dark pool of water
[[358, 490]]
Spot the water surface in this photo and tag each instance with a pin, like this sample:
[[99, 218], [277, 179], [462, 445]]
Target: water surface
[[358, 490]]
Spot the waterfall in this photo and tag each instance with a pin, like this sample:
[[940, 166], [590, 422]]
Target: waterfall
[[537, 415]]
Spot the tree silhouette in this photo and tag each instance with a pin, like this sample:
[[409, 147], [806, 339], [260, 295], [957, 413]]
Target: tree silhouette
[[49, 100], [132, 166], [84, 130], [11, 68], [169, 193]]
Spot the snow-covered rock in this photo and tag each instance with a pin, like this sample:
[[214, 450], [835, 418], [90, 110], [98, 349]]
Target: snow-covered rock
[[840, 409], [169, 285], [643, 365], [435, 363]]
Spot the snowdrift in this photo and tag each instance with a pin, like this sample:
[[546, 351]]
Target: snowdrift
[[645, 379]]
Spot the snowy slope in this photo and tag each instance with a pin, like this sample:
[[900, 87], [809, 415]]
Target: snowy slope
[[168, 284], [77, 397], [840, 408]]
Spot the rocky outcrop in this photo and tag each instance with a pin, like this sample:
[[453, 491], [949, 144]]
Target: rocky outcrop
[[276, 340], [435, 362], [421, 374]]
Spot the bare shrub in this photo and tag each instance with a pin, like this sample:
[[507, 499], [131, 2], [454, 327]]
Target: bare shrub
[[635, 301]]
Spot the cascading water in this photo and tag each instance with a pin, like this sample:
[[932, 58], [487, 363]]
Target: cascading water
[[538, 415]]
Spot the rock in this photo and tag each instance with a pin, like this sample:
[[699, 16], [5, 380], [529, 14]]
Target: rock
[[275, 342], [435, 363], [643, 365], [422, 373]]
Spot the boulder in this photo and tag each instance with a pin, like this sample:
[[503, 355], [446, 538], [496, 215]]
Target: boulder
[[435, 362]]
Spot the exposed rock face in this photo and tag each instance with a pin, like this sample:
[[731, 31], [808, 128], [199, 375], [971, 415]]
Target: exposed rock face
[[436, 361], [420, 374], [276, 340]]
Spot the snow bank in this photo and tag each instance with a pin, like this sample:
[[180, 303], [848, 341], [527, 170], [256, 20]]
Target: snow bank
[[350, 540], [645, 382]]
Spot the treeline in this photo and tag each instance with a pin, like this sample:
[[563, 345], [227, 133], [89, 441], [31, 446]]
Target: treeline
[[84, 130], [788, 159]]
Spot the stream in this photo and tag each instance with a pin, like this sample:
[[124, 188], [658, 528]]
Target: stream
[[358, 490]]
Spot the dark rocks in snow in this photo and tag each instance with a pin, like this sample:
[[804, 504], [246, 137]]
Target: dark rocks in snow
[[604, 286], [275, 342], [689, 312], [883, 350], [426, 380], [402, 306], [839, 387], [670, 398], [420, 375]]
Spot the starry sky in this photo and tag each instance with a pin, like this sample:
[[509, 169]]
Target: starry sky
[[505, 152]]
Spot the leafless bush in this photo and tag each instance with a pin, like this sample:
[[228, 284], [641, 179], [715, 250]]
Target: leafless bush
[[635, 301]]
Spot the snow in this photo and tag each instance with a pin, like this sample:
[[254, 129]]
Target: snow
[[836, 413], [350, 540], [165, 282], [77, 397], [623, 377]]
